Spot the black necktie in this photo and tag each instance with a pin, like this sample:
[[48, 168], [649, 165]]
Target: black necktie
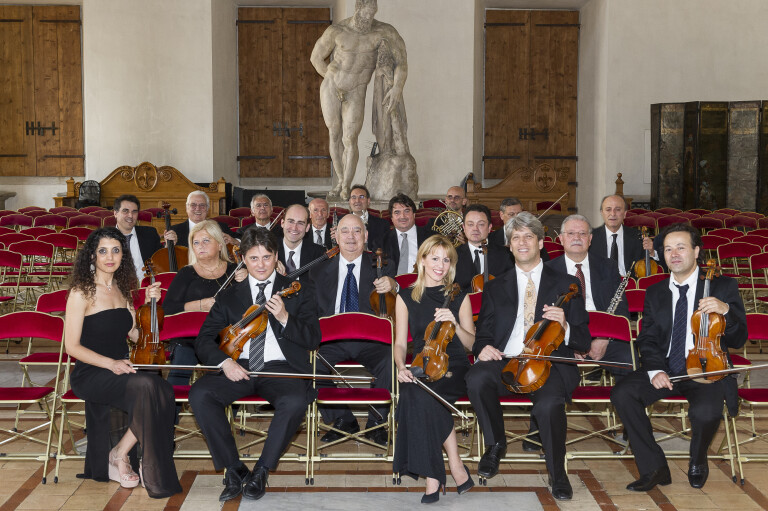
[[478, 270], [289, 264], [256, 353], [679, 328], [615, 248]]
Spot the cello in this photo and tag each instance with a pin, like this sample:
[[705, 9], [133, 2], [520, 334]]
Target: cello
[[479, 280], [706, 355], [172, 257], [523, 375], [646, 266], [383, 304], [149, 319]]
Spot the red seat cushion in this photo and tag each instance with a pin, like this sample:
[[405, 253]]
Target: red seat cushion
[[43, 358], [758, 396], [70, 396], [738, 360], [18, 394], [592, 393], [181, 392], [252, 399], [357, 395], [515, 399]]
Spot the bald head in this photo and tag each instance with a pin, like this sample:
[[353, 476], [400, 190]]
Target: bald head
[[318, 212], [455, 198], [613, 209]]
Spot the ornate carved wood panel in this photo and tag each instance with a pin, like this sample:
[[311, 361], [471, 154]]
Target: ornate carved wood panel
[[282, 133], [41, 105], [531, 74]]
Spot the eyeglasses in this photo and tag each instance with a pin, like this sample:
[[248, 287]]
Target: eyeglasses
[[356, 197], [198, 206], [580, 234]]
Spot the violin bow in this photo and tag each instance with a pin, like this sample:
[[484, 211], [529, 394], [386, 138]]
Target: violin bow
[[552, 206], [327, 364], [263, 374], [273, 222], [570, 360], [734, 370], [231, 276], [440, 398]]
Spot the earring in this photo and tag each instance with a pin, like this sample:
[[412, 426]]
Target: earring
[[93, 268]]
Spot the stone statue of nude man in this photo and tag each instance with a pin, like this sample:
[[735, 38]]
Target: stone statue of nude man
[[352, 45]]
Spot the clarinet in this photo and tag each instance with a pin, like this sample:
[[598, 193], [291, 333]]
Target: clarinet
[[334, 224], [619, 291]]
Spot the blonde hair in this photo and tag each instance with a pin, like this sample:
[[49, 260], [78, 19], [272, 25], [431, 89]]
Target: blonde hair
[[214, 231], [426, 248]]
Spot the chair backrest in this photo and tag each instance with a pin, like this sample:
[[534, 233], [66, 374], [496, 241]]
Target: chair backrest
[[55, 301], [31, 324], [741, 221], [240, 212], [707, 223], [144, 216], [356, 325], [7, 230], [757, 326], [752, 214], [728, 211], [602, 324], [433, 204], [50, 220], [9, 259], [30, 208], [639, 211], [183, 324], [60, 209], [39, 231], [85, 221], [646, 282], [32, 248], [476, 300], [635, 299], [726, 233], [87, 210], [655, 214], [640, 221], [81, 233], [688, 215], [36, 213], [102, 213], [421, 221], [16, 219], [14, 237], [164, 279], [699, 211], [109, 221], [669, 211], [737, 249], [60, 240], [231, 221], [70, 214], [404, 280], [554, 254], [669, 220]]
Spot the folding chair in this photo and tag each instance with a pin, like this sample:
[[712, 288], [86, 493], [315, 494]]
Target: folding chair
[[240, 212], [16, 221], [12, 277], [710, 242], [13, 237], [641, 221], [646, 282], [102, 213], [81, 233], [752, 214], [44, 326], [88, 221], [725, 232], [69, 214], [231, 221], [109, 221], [38, 258], [39, 231], [164, 279], [404, 280], [61, 209], [475, 299], [433, 204], [639, 211], [145, 217], [669, 211], [636, 303], [6, 230], [662, 222], [55, 301], [699, 211], [66, 246], [30, 208], [728, 211], [733, 258], [90, 209], [339, 328], [742, 222]]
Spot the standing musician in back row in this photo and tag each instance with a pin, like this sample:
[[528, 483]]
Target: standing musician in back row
[[665, 339], [294, 251], [616, 241], [512, 303], [477, 227], [292, 331], [344, 284]]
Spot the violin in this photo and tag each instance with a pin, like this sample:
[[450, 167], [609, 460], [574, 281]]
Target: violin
[[706, 355], [172, 257], [432, 362], [329, 254], [647, 266], [149, 318], [544, 337], [253, 323], [479, 280], [383, 304]]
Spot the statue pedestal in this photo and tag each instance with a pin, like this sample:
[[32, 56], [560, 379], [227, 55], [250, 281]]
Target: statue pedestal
[[390, 174]]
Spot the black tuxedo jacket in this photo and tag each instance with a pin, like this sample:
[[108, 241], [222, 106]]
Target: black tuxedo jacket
[[633, 245], [499, 261], [377, 228], [497, 238], [182, 231], [656, 332], [149, 241], [391, 244], [327, 243], [498, 313], [300, 335], [309, 252], [604, 281], [325, 277]]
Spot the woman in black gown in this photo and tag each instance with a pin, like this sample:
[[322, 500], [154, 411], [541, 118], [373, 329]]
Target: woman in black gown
[[193, 287], [425, 426], [99, 319]]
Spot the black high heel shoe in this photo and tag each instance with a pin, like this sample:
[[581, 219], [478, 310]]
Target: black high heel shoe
[[466, 485], [431, 498]]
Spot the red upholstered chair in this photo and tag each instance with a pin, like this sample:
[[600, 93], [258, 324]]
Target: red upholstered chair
[[6, 230], [707, 223], [433, 204], [35, 232], [240, 212], [165, 280], [476, 300], [669, 220], [340, 212], [55, 301], [27, 209], [66, 246], [16, 221], [641, 221], [655, 214], [102, 213], [14, 237], [762, 223], [689, 215], [731, 234], [740, 221], [552, 245], [733, 258], [145, 217], [635, 300], [109, 221], [90, 209], [69, 214], [554, 254], [38, 262], [404, 280], [752, 214], [639, 211], [728, 211], [758, 268], [50, 220], [81, 233], [245, 222], [646, 282], [699, 211], [543, 205], [139, 296], [34, 401], [374, 212], [430, 213], [88, 221], [231, 221], [13, 279], [36, 213], [669, 211], [421, 221], [60, 209]]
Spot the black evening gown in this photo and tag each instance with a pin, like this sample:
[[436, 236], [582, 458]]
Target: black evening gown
[[423, 422], [144, 397]]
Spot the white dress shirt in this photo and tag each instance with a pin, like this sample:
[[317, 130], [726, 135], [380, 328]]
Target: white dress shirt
[[692, 280], [272, 349], [570, 267], [296, 254], [133, 246], [619, 244], [472, 248], [343, 276]]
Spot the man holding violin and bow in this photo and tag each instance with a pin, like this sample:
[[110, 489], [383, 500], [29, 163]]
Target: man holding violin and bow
[[344, 284], [474, 258], [290, 332], [666, 341], [515, 305]]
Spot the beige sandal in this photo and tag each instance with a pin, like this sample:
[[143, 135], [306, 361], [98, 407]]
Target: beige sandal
[[129, 480]]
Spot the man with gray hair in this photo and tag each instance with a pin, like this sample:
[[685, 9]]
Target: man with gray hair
[[198, 204], [512, 303]]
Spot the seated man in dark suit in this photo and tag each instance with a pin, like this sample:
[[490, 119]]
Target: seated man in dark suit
[[293, 251], [344, 284], [143, 240], [320, 231], [198, 204], [512, 303], [401, 243], [477, 226], [509, 208], [292, 332], [616, 241], [359, 201], [664, 342]]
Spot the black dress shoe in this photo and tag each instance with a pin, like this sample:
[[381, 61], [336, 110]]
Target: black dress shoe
[[648, 481], [529, 445], [561, 488], [489, 463], [697, 475], [256, 484], [348, 427], [377, 435], [233, 483]]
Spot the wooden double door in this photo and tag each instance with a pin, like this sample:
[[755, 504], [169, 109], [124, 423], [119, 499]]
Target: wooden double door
[[281, 127], [41, 91], [531, 74]]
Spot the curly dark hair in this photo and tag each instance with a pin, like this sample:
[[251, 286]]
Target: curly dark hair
[[82, 276]]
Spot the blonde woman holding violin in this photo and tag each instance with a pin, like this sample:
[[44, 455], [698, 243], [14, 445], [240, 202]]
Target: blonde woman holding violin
[[425, 426]]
